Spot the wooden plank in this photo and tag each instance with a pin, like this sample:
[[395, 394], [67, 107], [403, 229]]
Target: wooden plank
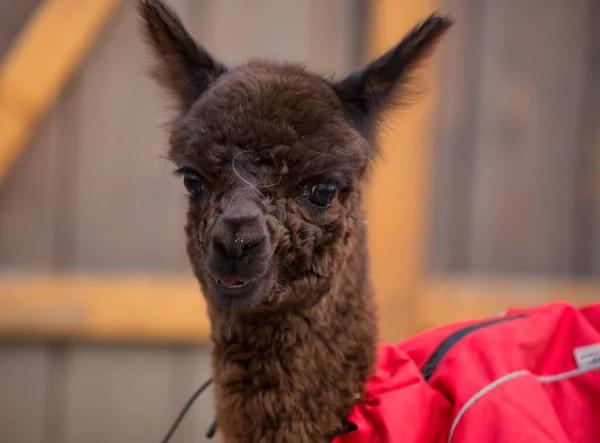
[[237, 31], [28, 215], [36, 199], [335, 45], [240, 32], [454, 148], [118, 394], [397, 225], [40, 62], [587, 254], [67, 179], [23, 388], [56, 375], [102, 308], [128, 208], [527, 137], [444, 299], [12, 17]]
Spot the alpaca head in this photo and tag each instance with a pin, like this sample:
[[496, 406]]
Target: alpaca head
[[273, 159]]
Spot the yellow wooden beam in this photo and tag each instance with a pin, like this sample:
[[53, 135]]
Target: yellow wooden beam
[[447, 299], [128, 308], [398, 194], [171, 309], [40, 62]]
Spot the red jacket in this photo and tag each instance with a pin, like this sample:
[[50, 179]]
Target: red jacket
[[531, 375]]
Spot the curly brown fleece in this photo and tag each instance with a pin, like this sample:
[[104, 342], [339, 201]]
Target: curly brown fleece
[[293, 351]]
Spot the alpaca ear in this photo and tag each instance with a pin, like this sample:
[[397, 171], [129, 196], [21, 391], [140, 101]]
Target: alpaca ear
[[183, 67], [381, 84]]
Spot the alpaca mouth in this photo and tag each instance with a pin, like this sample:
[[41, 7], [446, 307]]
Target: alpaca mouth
[[231, 283], [231, 293]]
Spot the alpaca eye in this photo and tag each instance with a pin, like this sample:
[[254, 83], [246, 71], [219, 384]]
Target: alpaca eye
[[192, 183], [323, 194]]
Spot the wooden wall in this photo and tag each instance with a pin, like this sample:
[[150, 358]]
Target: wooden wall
[[83, 393], [516, 184], [517, 175], [91, 193]]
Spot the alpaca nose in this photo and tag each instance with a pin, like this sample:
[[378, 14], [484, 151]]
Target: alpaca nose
[[238, 236]]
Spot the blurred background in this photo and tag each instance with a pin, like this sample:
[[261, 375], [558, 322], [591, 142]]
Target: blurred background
[[489, 195]]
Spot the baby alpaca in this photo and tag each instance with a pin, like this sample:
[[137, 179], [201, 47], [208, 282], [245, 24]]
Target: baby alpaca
[[274, 159]]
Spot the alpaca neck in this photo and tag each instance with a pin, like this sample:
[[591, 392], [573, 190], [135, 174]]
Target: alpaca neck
[[294, 376]]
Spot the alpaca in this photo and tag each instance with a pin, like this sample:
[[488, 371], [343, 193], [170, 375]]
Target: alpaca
[[274, 159]]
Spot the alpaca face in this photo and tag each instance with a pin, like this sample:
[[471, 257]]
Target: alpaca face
[[273, 159], [273, 170]]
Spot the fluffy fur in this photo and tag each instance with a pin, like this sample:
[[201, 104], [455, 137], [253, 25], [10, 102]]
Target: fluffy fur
[[285, 277]]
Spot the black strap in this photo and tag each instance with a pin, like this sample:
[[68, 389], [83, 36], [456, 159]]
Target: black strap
[[212, 430], [448, 343], [187, 406]]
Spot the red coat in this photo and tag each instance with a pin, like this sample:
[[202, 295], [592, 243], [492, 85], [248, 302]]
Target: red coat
[[531, 375]]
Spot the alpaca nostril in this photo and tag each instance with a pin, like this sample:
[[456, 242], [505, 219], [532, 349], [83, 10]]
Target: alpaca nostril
[[252, 246], [249, 246], [220, 248]]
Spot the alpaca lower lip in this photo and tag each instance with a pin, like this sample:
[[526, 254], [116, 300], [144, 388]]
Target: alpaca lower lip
[[234, 295], [231, 283]]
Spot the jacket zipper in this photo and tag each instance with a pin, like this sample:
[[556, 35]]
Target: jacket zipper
[[444, 347]]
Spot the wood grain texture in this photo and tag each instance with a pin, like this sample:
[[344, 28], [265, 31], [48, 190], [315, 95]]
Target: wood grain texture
[[23, 393], [455, 122], [91, 393], [531, 96], [129, 210], [39, 63], [447, 299], [587, 231], [516, 140], [36, 198], [27, 203], [336, 36], [126, 308], [56, 400], [243, 34], [117, 394]]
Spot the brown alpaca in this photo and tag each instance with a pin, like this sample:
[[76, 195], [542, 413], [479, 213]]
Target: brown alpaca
[[274, 159]]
